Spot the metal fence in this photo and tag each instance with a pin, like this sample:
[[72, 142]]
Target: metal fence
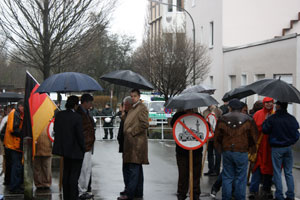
[[160, 131]]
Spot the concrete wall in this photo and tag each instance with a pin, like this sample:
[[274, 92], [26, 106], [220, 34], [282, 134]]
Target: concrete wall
[[247, 21], [277, 56], [204, 12]]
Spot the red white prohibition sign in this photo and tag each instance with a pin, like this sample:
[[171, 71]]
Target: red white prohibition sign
[[190, 131], [50, 131], [212, 120]]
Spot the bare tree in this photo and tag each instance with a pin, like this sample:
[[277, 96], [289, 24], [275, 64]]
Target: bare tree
[[167, 61], [46, 33]]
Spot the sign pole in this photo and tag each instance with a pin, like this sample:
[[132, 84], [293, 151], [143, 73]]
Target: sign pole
[[191, 173]]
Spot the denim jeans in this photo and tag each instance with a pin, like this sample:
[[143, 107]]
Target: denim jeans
[[283, 157], [16, 178], [235, 166], [134, 176], [256, 179]]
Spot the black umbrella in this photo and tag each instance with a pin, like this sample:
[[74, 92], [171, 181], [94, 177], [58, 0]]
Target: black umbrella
[[277, 89], [69, 82], [239, 93], [191, 100], [10, 97], [127, 78], [199, 88]]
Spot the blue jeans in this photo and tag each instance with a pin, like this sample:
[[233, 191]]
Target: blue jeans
[[16, 178], [134, 176], [283, 157], [235, 166]]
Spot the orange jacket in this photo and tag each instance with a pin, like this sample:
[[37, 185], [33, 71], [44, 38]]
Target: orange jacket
[[12, 138]]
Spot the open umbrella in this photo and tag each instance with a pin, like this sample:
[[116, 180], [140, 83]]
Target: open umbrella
[[127, 78], [199, 88], [239, 93], [277, 89], [69, 82], [10, 97], [191, 100]]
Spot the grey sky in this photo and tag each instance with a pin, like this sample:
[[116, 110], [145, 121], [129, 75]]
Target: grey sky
[[129, 18]]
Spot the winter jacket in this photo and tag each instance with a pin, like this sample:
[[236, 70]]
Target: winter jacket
[[235, 132], [135, 135], [13, 138], [68, 135], [282, 129]]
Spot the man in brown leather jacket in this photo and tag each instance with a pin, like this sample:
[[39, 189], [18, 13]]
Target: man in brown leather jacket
[[235, 136]]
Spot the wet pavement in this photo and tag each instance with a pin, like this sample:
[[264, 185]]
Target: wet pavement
[[160, 177]]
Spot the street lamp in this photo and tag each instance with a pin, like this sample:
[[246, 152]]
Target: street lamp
[[194, 38]]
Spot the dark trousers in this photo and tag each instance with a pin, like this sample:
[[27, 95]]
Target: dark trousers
[[134, 178], [110, 132], [125, 176], [7, 166], [71, 173], [183, 179], [214, 158], [16, 178]]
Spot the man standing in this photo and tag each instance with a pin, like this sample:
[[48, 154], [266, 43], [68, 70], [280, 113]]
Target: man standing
[[213, 157], [262, 170], [135, 152], [108, 121], [89, 139], [13, 142], [235, 135], [125, 107], [282, 129], [69, 143]]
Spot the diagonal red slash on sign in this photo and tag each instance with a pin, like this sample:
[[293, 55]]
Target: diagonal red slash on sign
[[191, 132]]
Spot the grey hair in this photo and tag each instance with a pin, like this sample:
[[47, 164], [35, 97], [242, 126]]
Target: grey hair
[[127, 99]]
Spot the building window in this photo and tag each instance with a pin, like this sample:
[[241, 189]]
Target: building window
[[179, 5], [232, 82], [170, 6], [211, 39], [211, 81], [244, 79], [201, 35], [258, 77]]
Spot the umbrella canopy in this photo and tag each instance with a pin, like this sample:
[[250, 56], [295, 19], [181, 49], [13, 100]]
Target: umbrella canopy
[[239, 93], [69, 82], [199, 88], [10, 97], [191, 100], [127, 78], [277, 89]]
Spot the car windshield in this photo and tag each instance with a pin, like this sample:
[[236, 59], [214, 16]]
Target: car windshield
[[156, 107]]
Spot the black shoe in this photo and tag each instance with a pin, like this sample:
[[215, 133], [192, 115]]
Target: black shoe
[[213, 174], [124, 198], [253, 195], [86, 196], [123, 193], [289, 198], [17, 191], [213, 192], [105, 138], [208, 173]]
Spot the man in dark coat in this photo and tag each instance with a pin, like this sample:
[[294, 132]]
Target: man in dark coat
[[282, 129], [108, 121], [126, 106], [69, 143]]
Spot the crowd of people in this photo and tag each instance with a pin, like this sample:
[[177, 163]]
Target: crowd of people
[[263, 136]]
